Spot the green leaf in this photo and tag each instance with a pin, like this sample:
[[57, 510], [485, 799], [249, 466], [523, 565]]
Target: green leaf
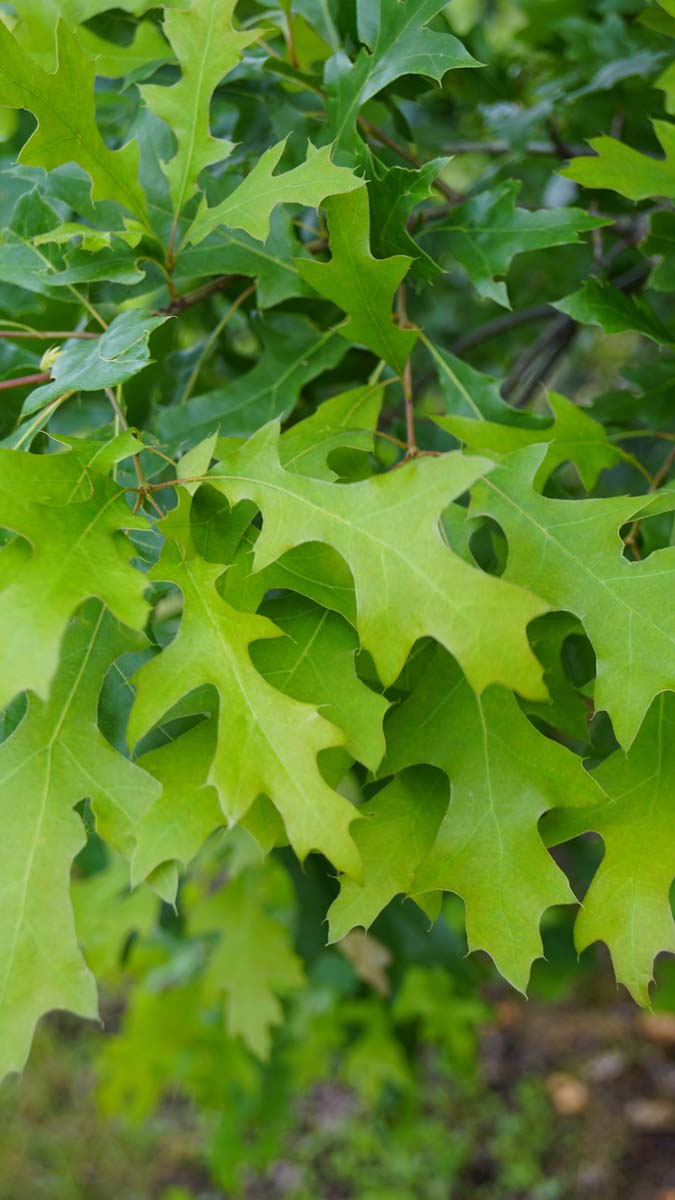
[[227, 252], [627, 905], [347, 421], [314, 663], [598, 303], [207, 47], [397, 43], [572, 436], [394, 194], [364, 287], [107, 913], [88, 366], [569, 552], [282, 737], [621, 169], [294, 353], [56, 758], [444, 597], [63, 104], [187, 812], [504, 776], [250, 206], [37, 26], [402, 825], [487, 232], [253, 963], [69, 516]]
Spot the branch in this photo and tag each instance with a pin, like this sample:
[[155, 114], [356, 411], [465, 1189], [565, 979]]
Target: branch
[[180, 303], [23, 380], [492, 329], [47, 334], [533, 149]]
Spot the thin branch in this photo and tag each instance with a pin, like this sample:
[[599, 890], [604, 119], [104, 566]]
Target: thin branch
[[406, 377], [379, 135], [25, 380], [47, 334], [213, 338], [201, 293], [500, 325], [532, 149], [660, 477]]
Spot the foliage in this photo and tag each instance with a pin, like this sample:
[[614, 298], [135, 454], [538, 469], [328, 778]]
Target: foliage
[[299, 557]]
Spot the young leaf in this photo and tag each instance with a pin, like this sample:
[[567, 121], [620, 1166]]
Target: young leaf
[[250, 206], [621, 169]]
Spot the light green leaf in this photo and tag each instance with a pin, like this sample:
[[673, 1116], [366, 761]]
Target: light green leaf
[[107, 913], [364, 287], [386, 529], [504, 775], [346, 421], [267, 743], [572, 436], [63, 104], [207, 47], [187, 812], [314, 663], [253, 963], [621, 169], [402, 825], [56, 758], [569, 552], [627, 905], [250, 205], [70, 517]]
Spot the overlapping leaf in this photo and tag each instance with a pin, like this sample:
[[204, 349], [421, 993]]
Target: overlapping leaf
[[56, 758], [386, 529], [627, 905], [570, 553], [504, 776], [67, 516], [267, 743]]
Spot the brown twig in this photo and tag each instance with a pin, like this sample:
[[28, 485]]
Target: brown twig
[[406, 377], [379, 135], [660, 477], [180, 303], [25, 380]]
